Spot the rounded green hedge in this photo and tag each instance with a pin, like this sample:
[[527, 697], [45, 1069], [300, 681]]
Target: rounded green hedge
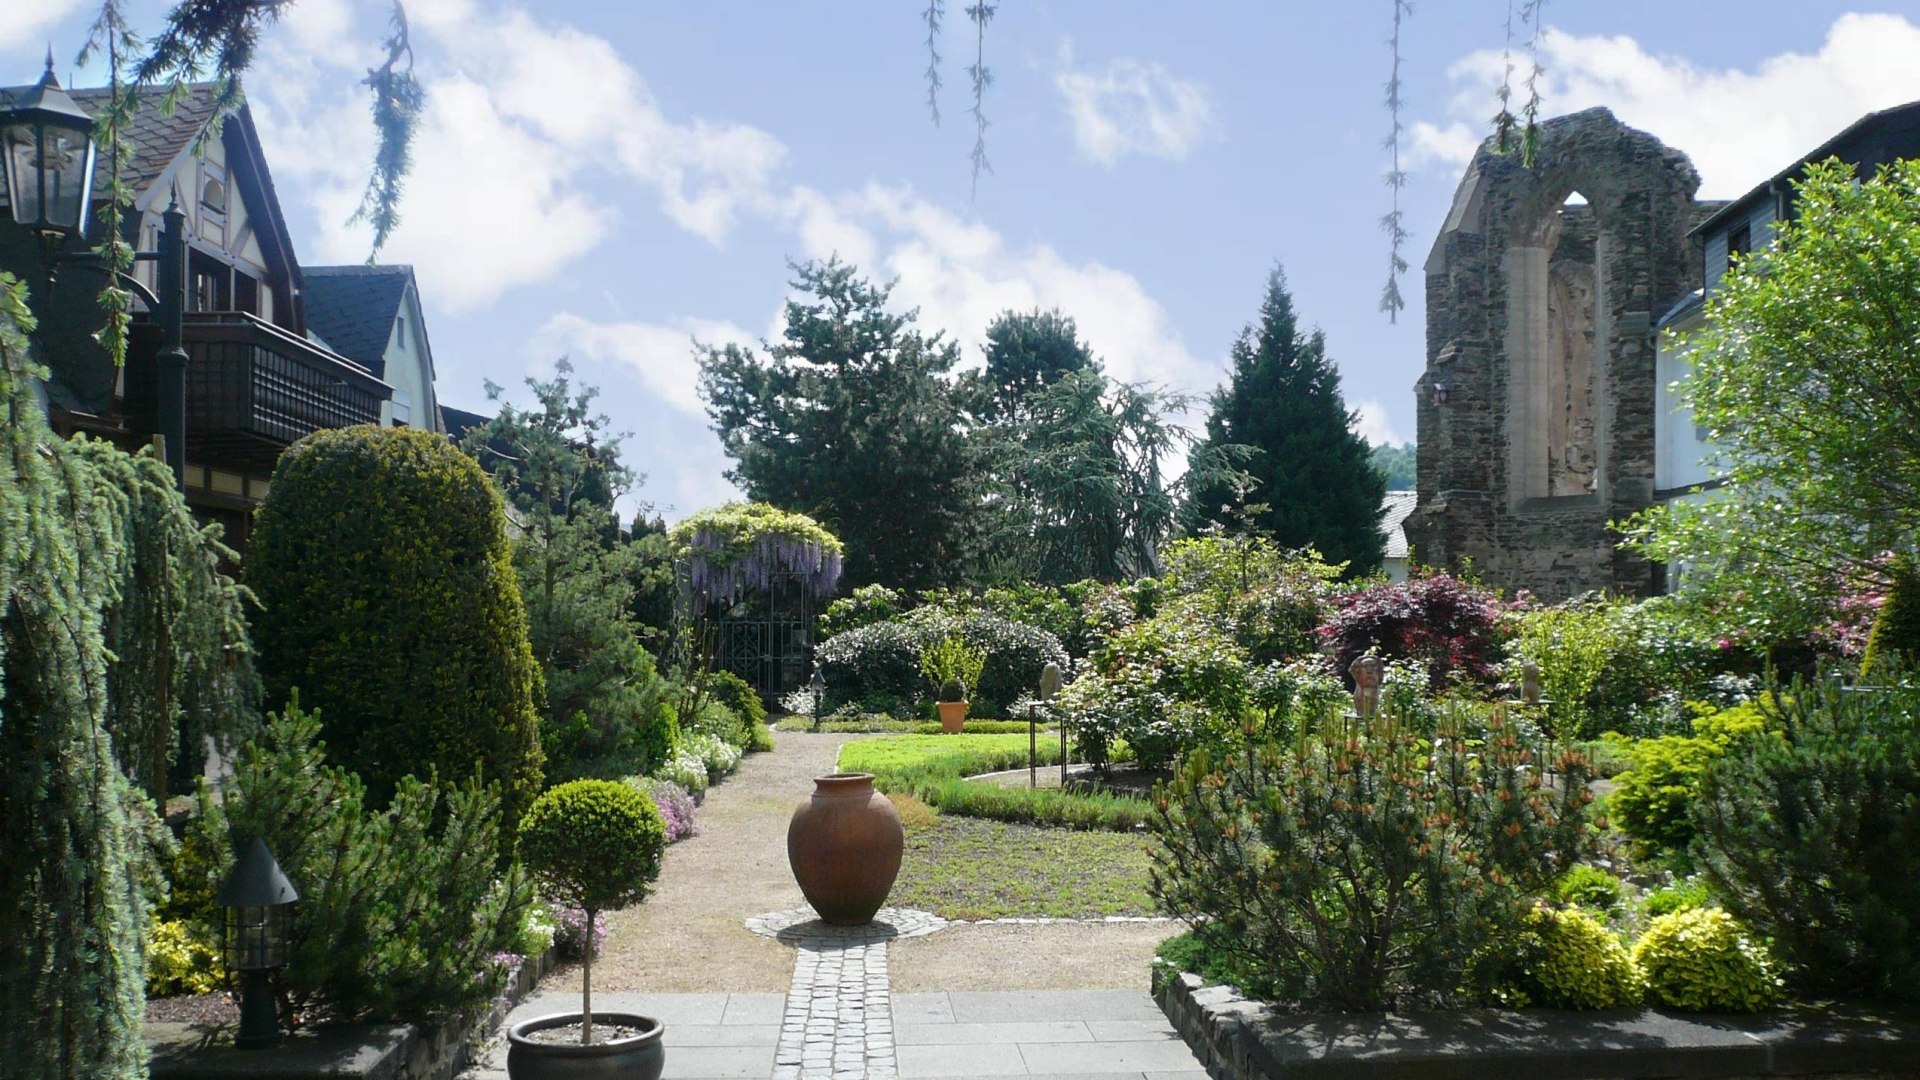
[[595, 844], [388, 598], [1703, 959]]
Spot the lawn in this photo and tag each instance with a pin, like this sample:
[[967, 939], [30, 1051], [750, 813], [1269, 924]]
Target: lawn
[[970, 868]]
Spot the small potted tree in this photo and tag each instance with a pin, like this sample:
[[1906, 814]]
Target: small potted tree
[[952, 666], [595, 844]]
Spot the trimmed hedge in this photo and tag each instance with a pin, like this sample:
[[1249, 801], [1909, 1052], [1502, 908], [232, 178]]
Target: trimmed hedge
[[877, 667], [388, 598]]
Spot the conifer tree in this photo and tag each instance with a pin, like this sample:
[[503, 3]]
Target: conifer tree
[[1311, 480]]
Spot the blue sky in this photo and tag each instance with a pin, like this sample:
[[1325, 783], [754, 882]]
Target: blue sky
[[608, 180]]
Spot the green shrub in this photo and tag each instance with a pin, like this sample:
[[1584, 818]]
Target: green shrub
[[1167, 685], [1811, 836], [1192, 952], [1605, 665], [950, 665], [1570, 960], [685, 768], [865, 606], [759, 739], [718, 720], [1654, 795], [1589, 887], [718, 756], [401, 912], [732, 691], [856, 723], [388, 598], [1681, 896], [181, 960], [877, 667], [1354, 869], [595, 844], [1893, 645], [1703, 960]]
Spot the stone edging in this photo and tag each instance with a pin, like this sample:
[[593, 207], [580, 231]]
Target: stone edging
[[1237, 1039], [365, 1051]]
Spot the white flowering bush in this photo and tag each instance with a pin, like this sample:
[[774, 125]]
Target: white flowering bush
[[686, 769], [716, 755]]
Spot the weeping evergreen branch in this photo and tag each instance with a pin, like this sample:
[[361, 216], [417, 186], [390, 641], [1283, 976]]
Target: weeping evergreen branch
[[1504, 121], [936, 10], [981, 14], [1393, 223], [111, 34], [1530, 137], [72, 908], [398, 99]]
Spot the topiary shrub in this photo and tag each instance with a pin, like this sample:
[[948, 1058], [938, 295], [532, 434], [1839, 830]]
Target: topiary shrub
[[1703, 960], [877, 668], [1893, 645], [388, 598], [1570, 960], [1811, 835], [596, 845]]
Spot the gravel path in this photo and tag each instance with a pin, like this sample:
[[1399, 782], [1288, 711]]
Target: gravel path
[[690, 935]]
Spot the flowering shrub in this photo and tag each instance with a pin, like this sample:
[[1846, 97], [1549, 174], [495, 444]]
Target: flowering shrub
[[1450, 626], [570, 931], [865, 606], [716, 755], [1271, 599], [1703, 959], [1355, 867], [685, 770], [536, 934], [675, 805], [1609, 665], [1166, 685]]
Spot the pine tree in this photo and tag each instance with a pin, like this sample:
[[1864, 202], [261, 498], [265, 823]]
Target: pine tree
[[1312, 483]]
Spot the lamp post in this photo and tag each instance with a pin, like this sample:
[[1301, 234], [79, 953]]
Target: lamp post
[[818, 685], [47, 156], [1049, 686], [257, 896]]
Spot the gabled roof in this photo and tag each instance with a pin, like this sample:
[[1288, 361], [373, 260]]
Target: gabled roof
[[156, 137], [1394, 511], [352, 308], [459, 421], [1838, 146]]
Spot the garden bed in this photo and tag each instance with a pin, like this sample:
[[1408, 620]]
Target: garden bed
[[1237, 1039]]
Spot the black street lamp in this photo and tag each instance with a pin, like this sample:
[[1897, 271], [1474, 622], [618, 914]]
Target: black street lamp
[[46, 150], [258, 898], [47, 155]]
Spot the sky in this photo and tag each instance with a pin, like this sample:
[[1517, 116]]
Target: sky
[[612, 181]]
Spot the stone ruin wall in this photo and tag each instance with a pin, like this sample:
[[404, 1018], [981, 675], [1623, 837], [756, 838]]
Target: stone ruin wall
[[1540, 321]]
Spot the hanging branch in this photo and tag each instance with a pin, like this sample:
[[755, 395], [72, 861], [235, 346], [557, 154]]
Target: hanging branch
[[397, 101], [111, 33], [1530, 138], [981, 14], [1504, 121], [936, 10], [1393, 223]]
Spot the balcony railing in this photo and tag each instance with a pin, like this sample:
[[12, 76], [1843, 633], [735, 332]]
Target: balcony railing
[[253, 388]]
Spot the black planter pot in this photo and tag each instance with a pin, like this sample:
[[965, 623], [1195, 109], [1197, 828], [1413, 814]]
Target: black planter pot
[[638, 1058]]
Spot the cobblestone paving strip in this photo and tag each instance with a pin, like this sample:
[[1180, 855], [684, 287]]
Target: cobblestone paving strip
[[839, 1016]]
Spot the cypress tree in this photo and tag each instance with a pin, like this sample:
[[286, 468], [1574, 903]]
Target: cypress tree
[[1311, 480]]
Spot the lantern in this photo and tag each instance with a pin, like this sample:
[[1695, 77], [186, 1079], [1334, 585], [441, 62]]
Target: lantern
[[258, 898], [46, 151]]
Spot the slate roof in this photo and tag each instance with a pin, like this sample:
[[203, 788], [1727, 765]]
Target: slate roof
[[459, 421], [352, 308], [157, 137], [1394, 510]]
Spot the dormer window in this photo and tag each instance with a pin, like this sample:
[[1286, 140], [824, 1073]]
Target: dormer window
[[1739, 239], [213, 195]]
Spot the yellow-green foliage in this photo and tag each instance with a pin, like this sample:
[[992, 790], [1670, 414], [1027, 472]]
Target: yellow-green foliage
[[1577, 963], [1655, 795], [1894, 641], [389, 600], [1702, 959], [178, 961]]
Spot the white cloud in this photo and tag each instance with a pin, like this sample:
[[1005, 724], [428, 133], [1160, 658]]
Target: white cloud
[[26, 20], [661, 356], [1374, 424], [1739, 126], [509, 166], [1131, 107]]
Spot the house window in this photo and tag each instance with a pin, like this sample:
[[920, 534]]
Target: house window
[[401, 408], [246, 293], [1739, 240], [209, 283]]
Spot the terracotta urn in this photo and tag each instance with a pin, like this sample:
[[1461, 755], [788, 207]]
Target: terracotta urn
[[953, 716], [844, 844]]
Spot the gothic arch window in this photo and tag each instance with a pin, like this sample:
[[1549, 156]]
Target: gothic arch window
[[1556, 346]]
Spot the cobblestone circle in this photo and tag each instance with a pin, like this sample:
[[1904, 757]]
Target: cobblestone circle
[[800, 926]]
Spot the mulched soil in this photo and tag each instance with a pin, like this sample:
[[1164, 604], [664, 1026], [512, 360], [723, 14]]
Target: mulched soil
[[208, 1009], [569, 1034]]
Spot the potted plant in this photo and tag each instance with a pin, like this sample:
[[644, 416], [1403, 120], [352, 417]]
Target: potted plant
[[952, 666], [595, 844]]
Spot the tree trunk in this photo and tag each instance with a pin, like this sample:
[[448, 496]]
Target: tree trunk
[[586, 984]]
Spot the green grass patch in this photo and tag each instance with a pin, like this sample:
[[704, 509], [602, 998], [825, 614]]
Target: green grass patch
[[878, 724], [930, 768], [968, 868]]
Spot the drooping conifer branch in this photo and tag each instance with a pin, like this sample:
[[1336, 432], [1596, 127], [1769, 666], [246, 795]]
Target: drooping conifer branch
[[1393, 223], [936, 11], [981, 14]]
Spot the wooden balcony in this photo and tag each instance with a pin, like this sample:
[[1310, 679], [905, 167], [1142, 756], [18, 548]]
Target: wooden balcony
[[253, 388]]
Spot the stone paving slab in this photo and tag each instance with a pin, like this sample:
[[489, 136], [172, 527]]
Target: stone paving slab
[[990, 1006], [934, 1034], [1058, 1059]]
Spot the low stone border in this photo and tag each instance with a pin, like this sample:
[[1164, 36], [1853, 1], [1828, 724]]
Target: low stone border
[[347, 1052], [1237, 1039], [801, 924]]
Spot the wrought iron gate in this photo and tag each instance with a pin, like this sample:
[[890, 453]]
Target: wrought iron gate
[[767, 639]]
